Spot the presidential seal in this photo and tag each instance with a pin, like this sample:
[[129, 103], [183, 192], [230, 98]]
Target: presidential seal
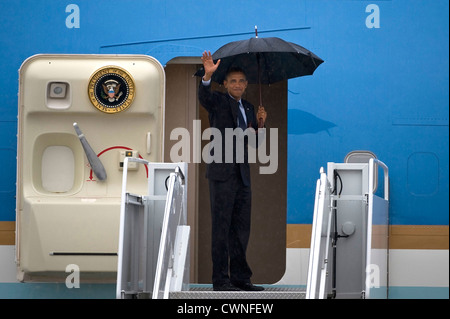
[[111, 89]]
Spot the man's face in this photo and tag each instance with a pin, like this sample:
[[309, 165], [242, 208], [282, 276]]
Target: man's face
[[235, 83]]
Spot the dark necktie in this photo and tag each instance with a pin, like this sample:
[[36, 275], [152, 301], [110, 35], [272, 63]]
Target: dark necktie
[[241, 120]]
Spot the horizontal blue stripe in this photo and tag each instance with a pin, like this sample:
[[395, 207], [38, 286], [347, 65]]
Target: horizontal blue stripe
[[418, 293], [56, 291], [108, 291]]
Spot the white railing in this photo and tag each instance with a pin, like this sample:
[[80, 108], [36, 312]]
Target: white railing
[[377, 256]]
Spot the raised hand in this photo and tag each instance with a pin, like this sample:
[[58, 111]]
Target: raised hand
[[209, 65]]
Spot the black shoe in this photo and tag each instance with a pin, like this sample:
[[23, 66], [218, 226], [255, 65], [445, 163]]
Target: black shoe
[[226, 287], [248, 286]]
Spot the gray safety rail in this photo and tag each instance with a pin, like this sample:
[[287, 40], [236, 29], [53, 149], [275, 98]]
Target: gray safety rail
[[153, 254], [349, 253]]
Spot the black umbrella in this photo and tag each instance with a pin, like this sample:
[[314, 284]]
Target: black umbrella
[[264, 60]]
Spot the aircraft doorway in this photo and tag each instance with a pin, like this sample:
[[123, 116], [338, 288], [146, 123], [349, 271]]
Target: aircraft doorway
[[267, 246]]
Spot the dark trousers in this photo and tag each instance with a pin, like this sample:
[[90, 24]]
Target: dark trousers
[[230, 210]]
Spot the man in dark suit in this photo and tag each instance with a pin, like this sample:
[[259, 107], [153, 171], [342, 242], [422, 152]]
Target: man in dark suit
[[229, 181]]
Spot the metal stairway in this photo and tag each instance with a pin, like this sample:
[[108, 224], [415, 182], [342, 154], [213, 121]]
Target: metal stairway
[[154, 238], [153, 258], [349, 254]]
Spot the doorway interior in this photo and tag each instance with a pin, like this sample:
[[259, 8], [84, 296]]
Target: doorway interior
[[267, 246]]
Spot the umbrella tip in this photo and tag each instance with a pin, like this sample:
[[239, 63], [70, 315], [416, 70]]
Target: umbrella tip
[[256, 30]]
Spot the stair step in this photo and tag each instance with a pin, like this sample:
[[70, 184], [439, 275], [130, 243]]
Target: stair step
[[270, 292]]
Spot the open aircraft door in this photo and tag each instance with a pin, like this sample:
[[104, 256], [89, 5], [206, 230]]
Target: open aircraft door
[[79, 117]]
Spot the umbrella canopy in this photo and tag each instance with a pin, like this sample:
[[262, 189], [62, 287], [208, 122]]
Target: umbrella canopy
[[264, 60]]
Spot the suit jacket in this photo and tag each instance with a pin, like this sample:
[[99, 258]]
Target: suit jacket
[[223, 113]]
